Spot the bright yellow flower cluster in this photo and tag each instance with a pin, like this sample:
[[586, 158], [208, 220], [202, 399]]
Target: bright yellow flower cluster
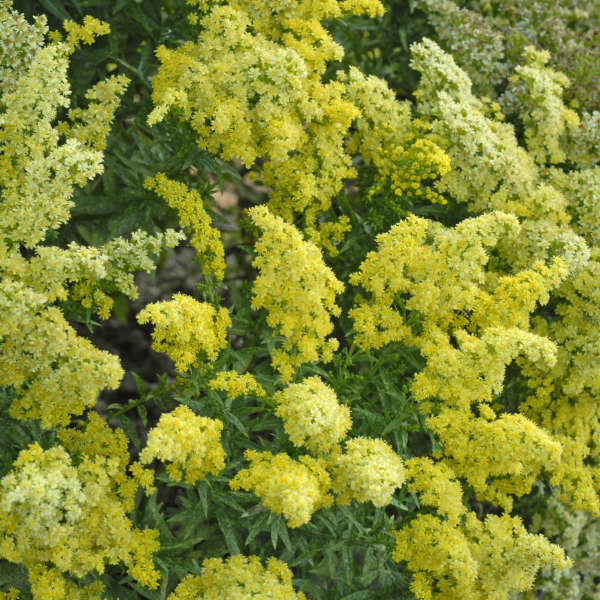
[[184, 328], [237, 385], [500, 458], [430, 289], [204, 238], [85, 33], [251, 87], [293, 488], [312, 415], [238, 577], [71, 517], [367, 471], [190, 443], [438, 556], [298, 291], [476, 561], [437, 487], [50, 584]]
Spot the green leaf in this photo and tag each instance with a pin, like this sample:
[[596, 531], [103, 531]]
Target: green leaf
[[57, 8], [360, 595], [226, 528], [130, 431], [91, 205], [203, 499], [257, 527]]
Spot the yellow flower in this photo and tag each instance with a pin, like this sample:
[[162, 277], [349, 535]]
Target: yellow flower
[[312, 415], [367, 471], [293, 488], [298, 291], [184, 327], [190, 443], [238, 576]]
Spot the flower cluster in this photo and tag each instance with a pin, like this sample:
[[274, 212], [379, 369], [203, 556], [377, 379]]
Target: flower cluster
[[52, 511], [236, 385], [56, 373], [252, 87], [368, 470], [293, 488], [240, 577], [487, 154], [475, 561], [184, 327], [312, 415], [204, 238], [298, 291], [189, 443]]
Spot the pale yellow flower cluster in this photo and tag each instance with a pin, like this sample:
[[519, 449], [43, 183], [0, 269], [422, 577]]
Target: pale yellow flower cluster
[[189, 443], [91, 125], [312, 415], [23, 41], [70, 516], [579, 534], [236, 384], [367, 471], [293, 488], [184, 328], [55, 373], [238, 577], [546, 119], [204, 238], [298, 291]]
